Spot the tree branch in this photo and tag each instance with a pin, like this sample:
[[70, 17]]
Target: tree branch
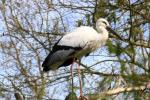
[[118, 90], [126, 89]]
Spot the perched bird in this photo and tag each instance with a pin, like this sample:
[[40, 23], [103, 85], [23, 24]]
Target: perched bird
[[77, 44]]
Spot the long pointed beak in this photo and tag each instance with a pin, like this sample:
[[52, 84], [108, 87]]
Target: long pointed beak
[[112, 31]]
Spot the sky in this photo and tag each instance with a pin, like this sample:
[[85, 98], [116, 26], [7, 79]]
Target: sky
[[70, 21]]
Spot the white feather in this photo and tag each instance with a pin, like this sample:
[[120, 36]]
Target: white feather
[[85, 37]]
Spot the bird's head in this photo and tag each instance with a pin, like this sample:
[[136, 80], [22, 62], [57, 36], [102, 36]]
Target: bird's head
[[103, 24]]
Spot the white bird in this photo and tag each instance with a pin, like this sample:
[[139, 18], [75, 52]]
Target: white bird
[[77, 44]]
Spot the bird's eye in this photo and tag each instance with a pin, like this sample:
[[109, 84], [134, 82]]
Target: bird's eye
[[104, 22]]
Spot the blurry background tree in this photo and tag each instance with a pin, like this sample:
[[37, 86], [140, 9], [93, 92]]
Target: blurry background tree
[[29, 28]]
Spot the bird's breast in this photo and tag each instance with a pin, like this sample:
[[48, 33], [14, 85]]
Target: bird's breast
[[88, 48]]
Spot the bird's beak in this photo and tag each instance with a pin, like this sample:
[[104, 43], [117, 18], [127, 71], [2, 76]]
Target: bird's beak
[[112, 31]]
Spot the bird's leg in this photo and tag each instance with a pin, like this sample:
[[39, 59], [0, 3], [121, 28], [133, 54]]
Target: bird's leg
[[80, 83], [71, 70]]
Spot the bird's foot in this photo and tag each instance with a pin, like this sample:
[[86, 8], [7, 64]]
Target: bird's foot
[[82, 98]]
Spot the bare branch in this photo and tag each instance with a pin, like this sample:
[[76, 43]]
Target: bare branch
[[126, 89]]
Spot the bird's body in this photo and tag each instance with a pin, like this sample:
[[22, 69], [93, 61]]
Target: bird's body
[[84, 37], [76, 44]]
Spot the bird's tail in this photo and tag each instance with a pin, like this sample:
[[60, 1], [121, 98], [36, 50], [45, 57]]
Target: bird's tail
[[47, 63], [46, 68]]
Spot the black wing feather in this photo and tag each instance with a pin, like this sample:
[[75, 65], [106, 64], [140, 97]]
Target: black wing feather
[[60, 53]]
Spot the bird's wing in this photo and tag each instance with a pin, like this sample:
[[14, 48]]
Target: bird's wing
[[55, 59], [59, 56]]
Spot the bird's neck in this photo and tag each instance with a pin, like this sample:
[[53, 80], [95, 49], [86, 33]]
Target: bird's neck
[[103, 32]]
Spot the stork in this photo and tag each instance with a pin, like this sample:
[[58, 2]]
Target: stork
[[75, 45]]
